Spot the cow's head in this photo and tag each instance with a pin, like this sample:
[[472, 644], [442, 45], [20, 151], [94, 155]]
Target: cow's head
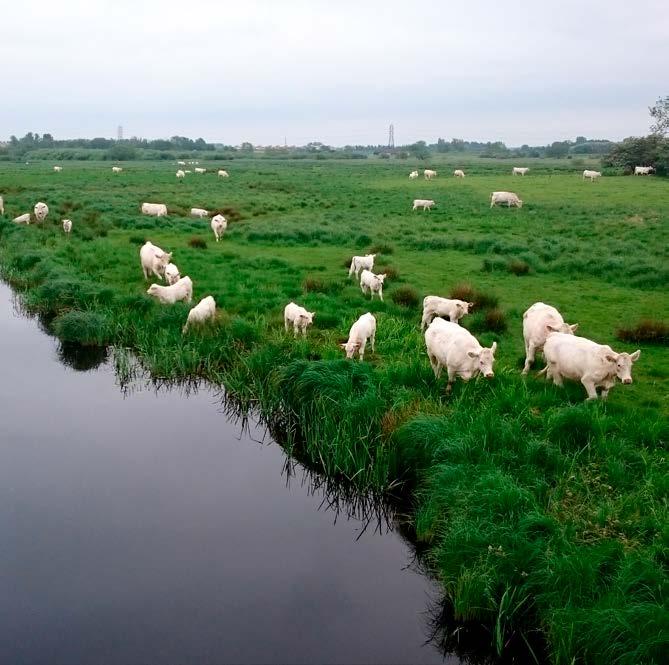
[[350, 348], [308, 318], [153, 290], [563, 327], [623, 364], [381, 277], [484, 359]]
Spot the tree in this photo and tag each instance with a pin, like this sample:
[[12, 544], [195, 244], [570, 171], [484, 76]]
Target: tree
[[660, 113]]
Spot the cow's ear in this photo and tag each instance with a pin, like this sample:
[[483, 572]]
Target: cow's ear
[[635, 355], [470, 304], [493, 348], [611, 358], [574, 327], [472, 354], [551, 328]]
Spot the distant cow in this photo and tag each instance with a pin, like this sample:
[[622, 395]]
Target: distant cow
[[593, 175], [372, 283], [580, 359], [425, 204], [428, 174], [181, 163], [116, 169], [154, 209], [643, 170], [510, 198], [168, 295], [218, 225], [540, 321], [57, 169], [200, 170], [223, 174], [2, 206], [413, 175], [41, 210], [359, 263], [67, 225], [181, 174], [198, 212], [519, 170], [298, 317]]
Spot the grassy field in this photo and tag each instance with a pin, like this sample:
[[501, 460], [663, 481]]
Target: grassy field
[[541, 513]]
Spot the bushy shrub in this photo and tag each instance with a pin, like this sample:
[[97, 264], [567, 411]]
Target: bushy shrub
[[481, 300], [197, 243], [406, 296], [391, 272], [647, 331], [518, 267], [381, 248], [319, 285]]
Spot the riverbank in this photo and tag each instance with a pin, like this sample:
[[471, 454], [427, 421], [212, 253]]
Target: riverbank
[[541, 513]]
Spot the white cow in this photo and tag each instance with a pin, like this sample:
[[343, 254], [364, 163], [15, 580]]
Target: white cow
[[429, 174], [198, 212], [540, 321], [22, 219], [373, 283], [172, 275], [2, 206], [218, 225], [168, 295], [181, 163], [425, 204], [593, 175], [643, 170], [200, 170], [57, 169], [223, 174], [519, 170], [153, 260], [359, 263], [444, 307], [580, 359], [187, 171], [413, 175], [67, 225], [203, 311], [41, 210], [510, 198], [298, 317], [154, 209], [459, 173], [116, 169], [455, 348], [361, 331], [181, 174]]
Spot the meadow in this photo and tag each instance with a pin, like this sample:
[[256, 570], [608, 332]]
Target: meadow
[[542, 515]]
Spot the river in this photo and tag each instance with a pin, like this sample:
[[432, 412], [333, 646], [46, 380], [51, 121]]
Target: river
[[147, 526]]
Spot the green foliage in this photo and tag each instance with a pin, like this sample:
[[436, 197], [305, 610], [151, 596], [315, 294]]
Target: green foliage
[[86, 328]]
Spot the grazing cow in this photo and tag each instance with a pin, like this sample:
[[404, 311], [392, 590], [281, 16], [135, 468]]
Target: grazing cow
[[456, 349], [359, 263], [218, 225], [298, 317], [413, 175], [187, 171], [116, 169], [428, 174], [22, 219], [425, 204], [181, 163], [510, 198], [593, 175], [153, 260], [540, 321], [154, 209], [519, 170], [643, 170], [202, 312], [41, 210], [459, 173], [172, 275], [57, 169], [362, 330], [433, 306], [168, 295], [200, 170], [181, 174], [373, 283], [580, 359], [2, 206], [223, 174], [198, 212], [67, 225]]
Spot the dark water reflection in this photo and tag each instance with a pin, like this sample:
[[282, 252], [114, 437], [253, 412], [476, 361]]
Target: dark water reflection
[[149, 527]]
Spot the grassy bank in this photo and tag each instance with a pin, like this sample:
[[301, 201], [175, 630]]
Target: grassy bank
[[540, 512]]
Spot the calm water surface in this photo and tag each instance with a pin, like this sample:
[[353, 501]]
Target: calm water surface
[[149, 528]]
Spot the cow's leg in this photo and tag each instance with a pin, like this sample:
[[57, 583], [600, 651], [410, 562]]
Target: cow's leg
[[381, 294], [529, 356], [362, 350], [451, 380], [590, 387], [285, 323], [373, 340], [296, 328], [433, 363]]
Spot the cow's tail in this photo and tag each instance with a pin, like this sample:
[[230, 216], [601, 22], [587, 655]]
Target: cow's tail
[[352, 268]]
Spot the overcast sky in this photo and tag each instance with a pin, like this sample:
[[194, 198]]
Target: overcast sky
[[339, 71]]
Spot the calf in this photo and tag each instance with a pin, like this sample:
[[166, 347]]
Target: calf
[[425, 204], [510, 198], [435, 306], [218, 225], [67, 225], [459, 173], [359, 263], [203, 311], [153, 260], [428, 174], [361, 331], [168, 295], [41, 210], [172, 275], [198, 212], [456, 349], [413, 175], [298, 317], [539, 321], [592, 175], [580, 359], [373, 283]]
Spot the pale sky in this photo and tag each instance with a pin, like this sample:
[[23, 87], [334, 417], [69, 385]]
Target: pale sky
[[338, 71]]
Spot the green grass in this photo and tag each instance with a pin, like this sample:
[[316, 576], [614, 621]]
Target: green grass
[[539, 512]]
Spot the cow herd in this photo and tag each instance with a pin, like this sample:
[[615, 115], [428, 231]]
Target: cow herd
[[448, 344]]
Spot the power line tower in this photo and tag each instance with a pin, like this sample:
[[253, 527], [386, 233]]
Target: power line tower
[[119, 132], [391, 136]]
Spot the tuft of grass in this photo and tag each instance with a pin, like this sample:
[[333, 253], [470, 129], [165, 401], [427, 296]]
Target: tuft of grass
[[481, 299], [197, 243], [647, 331], [406, 296], [518, 267], [391, 271], [85, 328], [381, 248]]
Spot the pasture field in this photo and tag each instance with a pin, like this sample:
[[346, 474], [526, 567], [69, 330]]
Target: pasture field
[[542, 513]]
